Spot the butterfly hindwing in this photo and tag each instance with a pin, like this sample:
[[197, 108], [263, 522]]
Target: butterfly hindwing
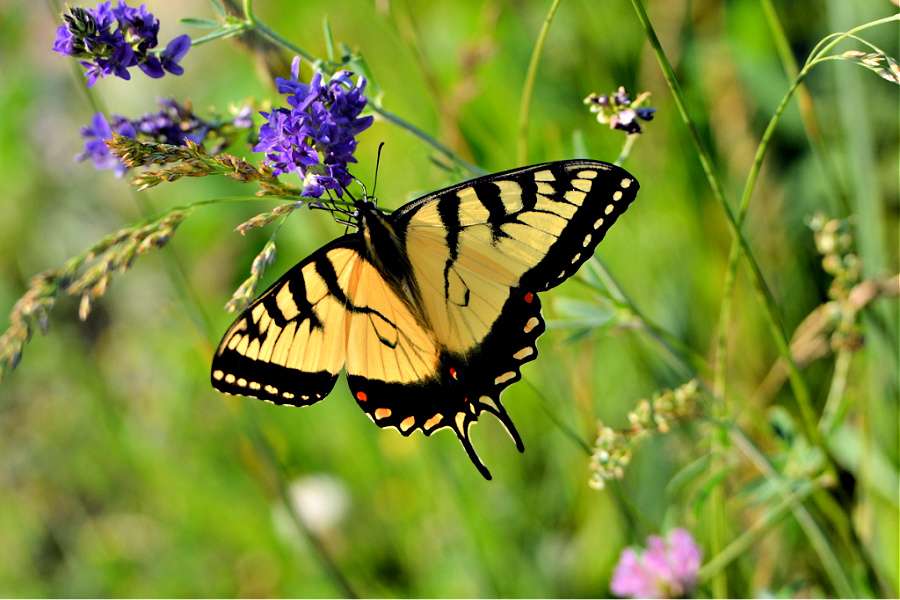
[[461, 386]]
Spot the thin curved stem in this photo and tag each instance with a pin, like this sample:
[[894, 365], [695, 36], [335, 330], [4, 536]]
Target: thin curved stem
[[734, 256], [833, 566], [767, 300], [528, 87]]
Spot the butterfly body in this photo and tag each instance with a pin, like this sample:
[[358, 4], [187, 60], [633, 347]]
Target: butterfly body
[[432, 309]]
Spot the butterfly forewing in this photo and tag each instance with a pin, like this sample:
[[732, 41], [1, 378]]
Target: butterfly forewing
[[529, 228], [288, 347]]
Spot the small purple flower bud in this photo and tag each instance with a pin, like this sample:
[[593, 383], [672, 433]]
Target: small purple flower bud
[[626, 120], [152, 67], [619, 112], [122, 57], [621, 98], [138, 27], [64, 41], [174, 52], [92, 71], [174, 124], [244, 118]]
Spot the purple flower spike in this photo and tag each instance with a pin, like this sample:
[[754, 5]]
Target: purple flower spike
[[666, 569], [88, 35], [316, 137]]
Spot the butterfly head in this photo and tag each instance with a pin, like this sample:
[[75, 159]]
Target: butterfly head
[[365, 205], [366, 214]]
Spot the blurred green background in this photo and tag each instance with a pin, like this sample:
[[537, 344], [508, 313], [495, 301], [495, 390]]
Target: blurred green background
[[123, 473]]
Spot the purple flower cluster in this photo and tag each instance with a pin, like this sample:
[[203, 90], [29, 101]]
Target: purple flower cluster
[[316, 136], [618, 111], [174, 124], [89, 35], [666, 569]]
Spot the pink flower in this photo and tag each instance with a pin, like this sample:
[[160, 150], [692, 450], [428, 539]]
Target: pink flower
[[666, 569]]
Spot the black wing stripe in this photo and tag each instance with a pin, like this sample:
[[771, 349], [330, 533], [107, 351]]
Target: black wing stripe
[[489, 195]]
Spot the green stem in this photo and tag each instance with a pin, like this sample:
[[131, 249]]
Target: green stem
[[832, 566], [392, 118], [690, 363], [188, 293], [718, 525], [804, 101], [264, 449], [275, 37], [528, 88], [825, 424], [734, 256], [742, 544], [834, 405], [626, 149], [807, 411], [770, 309], [825, 46], [567, 429], [223, 33]]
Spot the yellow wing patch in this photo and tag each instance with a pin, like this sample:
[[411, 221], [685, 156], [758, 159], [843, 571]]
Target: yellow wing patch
[[385, 340]]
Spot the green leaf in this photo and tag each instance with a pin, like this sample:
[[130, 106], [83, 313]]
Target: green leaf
[[218, 8], [691, 472], [199, 23], [581, 313]]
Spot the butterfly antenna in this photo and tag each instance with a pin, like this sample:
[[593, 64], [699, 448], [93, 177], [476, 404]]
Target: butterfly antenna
[[377, 163]]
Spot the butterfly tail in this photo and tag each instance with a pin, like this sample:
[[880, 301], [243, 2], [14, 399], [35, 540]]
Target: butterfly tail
[[463, 424], [503, 417]]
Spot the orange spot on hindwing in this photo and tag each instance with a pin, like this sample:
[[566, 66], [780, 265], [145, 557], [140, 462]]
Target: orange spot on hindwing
[[529, 297], [361, 396]]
